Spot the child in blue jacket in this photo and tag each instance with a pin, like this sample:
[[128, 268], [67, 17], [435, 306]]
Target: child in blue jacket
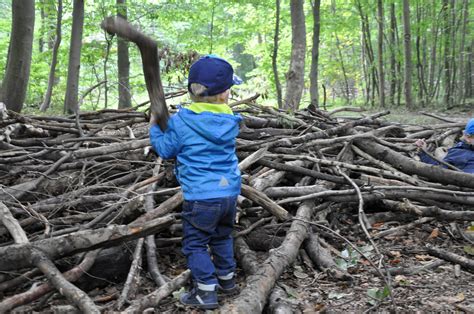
[[202, 138], [460, 155]]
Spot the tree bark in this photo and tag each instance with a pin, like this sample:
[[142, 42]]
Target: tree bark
[[54, 59], [380, 53], [295, 75], [17, 73], [20, 255], [447, 55], [462, 52], [410, 166], [123, 62], [275, 54], [72, 89], [407, 49], [313, 75], [254, 296]]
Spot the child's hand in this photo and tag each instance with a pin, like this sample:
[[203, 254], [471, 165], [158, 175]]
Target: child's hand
[[153, 120], [420, 144]]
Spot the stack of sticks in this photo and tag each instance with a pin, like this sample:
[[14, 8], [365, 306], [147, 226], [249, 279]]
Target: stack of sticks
[[75, 190]]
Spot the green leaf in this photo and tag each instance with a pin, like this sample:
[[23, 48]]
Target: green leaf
[[178, 293], [469, 249]]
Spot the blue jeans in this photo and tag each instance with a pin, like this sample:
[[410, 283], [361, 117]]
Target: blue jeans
[[209, 223]]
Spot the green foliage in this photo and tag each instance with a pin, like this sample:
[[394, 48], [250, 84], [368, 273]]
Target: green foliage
[[377, 295], [241, 31]]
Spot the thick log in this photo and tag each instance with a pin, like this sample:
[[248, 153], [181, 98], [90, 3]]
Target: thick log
[[278, 302], [410, 166], [19, 256], [254, 296], [246, 258]]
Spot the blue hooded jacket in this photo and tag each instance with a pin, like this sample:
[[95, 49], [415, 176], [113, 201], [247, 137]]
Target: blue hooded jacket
[[460, 155], [203, 143]]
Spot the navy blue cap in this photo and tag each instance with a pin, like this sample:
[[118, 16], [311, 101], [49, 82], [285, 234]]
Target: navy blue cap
[[469, 130], [214, 73]]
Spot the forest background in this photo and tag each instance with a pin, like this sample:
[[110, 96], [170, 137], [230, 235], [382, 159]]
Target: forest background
[[376, 53]]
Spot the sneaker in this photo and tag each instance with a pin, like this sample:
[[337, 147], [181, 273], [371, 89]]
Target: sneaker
[[202, 299], [228, 286]]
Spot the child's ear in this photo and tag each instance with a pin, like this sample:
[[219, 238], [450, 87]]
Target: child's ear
[[223, 97]]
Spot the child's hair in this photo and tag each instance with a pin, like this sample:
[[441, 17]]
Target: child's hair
[[196, 90]]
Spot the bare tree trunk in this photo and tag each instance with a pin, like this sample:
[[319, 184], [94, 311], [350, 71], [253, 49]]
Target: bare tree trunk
[[434, 47], [380, 53], [275, 54], [295, 75], [369, 51], [469, 73], [72, 89], [43, 16], [123, 62], [343, 68], [462, 52], [419, 65], [407, 46], [365, 68], [313, 75], [453, 66], [17, 73], [393, 62], [447, 55], [54, 59]]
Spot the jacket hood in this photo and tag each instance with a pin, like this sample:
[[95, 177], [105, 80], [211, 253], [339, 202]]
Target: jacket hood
[[218, 128]]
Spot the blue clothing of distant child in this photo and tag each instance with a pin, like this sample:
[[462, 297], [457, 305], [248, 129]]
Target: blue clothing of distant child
[[461, 155], [202, 138]]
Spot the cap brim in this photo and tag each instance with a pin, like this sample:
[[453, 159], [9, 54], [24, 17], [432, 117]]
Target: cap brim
[[237, 80]]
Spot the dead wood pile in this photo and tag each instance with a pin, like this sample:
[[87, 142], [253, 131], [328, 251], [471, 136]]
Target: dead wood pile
[[83, 199]]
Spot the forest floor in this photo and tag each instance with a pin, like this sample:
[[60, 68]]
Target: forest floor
[[443, 289]]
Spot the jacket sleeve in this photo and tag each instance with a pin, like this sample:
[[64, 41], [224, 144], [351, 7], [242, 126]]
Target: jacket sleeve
[[167, 144], [427, 159]]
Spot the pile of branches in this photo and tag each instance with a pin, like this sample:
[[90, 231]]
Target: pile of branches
[[76, 190]]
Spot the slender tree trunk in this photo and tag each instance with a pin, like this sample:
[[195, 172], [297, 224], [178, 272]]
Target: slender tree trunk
[[407, 46], [419, 65], [313, 89], [123, 62], [365, 69], [462, 52], [343, 69], [469, 72], [380, 53], [54, 59], [275, 54], [369, 51], [295, 75], [447, 55], [393, 50], [108, 41], [17, 73], [433, 55], [72, 89], [453, 66], [42, 28]]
